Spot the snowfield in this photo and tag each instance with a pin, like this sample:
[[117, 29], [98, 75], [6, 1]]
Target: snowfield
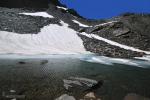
[[53, 39]]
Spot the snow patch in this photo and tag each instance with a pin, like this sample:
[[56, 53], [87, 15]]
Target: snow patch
[[106, 23], [42, 14], [62, 8], [53, 39], [80, 24]]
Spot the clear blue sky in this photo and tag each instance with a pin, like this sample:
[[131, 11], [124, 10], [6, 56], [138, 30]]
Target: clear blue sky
[[96, 9]]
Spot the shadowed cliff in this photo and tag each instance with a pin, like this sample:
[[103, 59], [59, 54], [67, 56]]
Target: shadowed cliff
[[24, 3]]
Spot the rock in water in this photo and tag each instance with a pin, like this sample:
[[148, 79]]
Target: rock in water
[[90, 96], [133, 96], [43, 62], [65, 97], [96, 86]]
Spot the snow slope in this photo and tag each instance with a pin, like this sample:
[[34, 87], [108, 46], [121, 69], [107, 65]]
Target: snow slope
[[53, 39]]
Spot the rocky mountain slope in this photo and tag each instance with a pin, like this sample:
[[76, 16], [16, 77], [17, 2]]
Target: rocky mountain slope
[[24, 3], [123, 36]]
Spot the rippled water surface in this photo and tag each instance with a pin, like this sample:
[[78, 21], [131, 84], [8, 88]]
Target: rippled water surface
[[44, 78]]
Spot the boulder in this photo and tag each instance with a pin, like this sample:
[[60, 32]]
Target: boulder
[[133, 96], [90, 96], [65, 97], [120, 32]]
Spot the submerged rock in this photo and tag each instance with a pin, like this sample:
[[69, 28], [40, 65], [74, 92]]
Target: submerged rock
[[65, 97], [133, 96], [43, 62], [74, 82], [90, 95], [22, 62], [96, 86]]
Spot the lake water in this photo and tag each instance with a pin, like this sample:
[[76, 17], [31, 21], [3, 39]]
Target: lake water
[[47, 77]]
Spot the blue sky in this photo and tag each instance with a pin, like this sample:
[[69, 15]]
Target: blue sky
[[97, 9]]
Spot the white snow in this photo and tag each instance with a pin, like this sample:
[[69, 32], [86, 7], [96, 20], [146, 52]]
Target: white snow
[[53, 39], [62, 8], [113, 42], [106, 23], [42, 14], [80, 24]]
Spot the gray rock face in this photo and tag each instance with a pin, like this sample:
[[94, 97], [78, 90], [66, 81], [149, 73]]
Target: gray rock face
[[14, 22]]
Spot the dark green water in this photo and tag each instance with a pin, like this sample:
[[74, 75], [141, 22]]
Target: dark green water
[[39, 80]]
